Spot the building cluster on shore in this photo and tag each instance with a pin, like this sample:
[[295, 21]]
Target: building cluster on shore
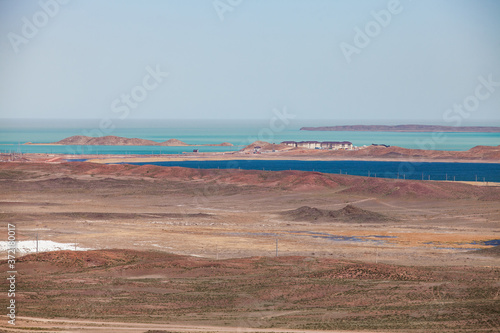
[[12, 157], [336, 145]]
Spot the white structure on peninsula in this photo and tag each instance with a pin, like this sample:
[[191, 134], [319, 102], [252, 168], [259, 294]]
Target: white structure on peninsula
[[335, 145]]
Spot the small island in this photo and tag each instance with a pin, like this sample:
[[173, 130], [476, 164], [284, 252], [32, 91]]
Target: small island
[[111, 140], [406, 128]]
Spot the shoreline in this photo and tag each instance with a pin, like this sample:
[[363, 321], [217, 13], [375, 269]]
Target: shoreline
[[232, 156], [170, 145], [181, 158]]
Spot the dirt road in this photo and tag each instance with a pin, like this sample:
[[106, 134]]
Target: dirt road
[[67, 325]]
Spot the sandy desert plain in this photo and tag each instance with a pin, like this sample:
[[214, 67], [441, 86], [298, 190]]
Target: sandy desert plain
[[188, 250]]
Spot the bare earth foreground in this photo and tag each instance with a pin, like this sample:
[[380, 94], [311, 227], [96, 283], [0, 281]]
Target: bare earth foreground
[[189, 250]]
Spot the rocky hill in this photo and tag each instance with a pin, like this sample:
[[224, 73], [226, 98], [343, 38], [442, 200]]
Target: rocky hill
[[348, 213], [173, 143], [111, 140], [265, 146]]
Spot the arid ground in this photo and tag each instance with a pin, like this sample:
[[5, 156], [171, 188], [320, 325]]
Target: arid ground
[[197, 248]]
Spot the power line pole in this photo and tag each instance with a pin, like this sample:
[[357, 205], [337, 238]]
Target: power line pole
[[37, 243], [276, 246]]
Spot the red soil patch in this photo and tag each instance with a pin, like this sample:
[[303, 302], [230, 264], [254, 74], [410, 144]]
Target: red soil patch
[[285, 180]]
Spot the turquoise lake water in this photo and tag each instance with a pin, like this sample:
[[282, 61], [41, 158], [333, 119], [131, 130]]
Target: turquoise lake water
[[12, 139], [242, 134]]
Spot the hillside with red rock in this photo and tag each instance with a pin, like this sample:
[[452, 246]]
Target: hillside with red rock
[[281, 180]]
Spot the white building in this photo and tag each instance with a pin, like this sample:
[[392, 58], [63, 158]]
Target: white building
[[335, 145]]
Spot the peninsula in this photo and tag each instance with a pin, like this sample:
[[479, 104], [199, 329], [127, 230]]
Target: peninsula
[[406, 128]]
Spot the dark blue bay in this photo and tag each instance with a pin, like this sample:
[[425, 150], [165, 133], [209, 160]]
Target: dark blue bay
[[408, 170]]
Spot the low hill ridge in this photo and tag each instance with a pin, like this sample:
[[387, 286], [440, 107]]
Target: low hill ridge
[[406, 128], [348, 213], [111, 140], [265, 146], [282, 180], [173, 142]]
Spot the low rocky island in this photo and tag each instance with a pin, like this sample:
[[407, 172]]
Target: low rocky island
[[111, 140], [406, 128]]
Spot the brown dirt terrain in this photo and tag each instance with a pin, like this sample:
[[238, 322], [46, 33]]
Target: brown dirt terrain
[[286, 292], [412, 270]]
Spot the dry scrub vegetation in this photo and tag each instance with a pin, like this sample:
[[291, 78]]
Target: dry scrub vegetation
[[355, 253], [291, 292]]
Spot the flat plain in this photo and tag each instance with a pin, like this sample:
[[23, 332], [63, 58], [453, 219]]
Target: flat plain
[[235, 249]]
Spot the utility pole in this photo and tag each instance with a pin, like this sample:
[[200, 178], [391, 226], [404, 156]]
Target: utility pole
[[217, 252], [37, 243], [276, 246]]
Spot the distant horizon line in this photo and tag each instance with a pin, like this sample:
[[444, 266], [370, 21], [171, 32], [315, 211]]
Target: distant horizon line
[[88, 123], [407, 120]]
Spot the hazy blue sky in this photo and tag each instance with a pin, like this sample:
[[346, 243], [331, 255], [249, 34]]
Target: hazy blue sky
[[232, 59]]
